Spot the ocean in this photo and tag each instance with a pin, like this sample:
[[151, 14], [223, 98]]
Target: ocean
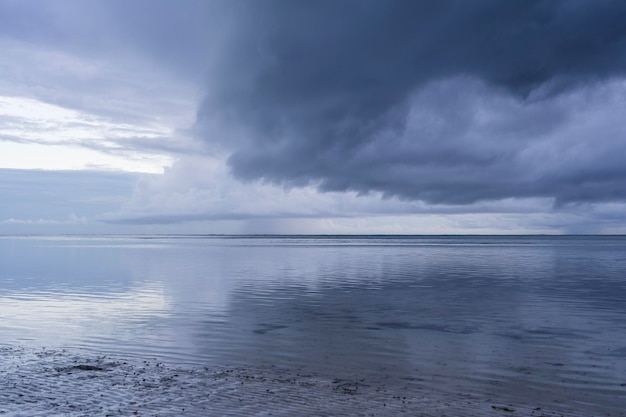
[[505, 320]]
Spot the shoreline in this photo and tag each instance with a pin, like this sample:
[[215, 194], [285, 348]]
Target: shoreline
[[40, 382]]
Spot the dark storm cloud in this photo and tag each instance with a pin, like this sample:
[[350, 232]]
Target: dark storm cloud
[[446, 101]]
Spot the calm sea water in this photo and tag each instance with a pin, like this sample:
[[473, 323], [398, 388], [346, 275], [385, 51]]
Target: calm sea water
[[539, 319]]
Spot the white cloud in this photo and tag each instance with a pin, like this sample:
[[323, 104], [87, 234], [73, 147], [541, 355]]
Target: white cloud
[[63, 111], [73, 219], [64, 157]]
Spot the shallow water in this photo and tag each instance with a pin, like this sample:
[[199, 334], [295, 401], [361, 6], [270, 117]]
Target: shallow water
[[537, 320]]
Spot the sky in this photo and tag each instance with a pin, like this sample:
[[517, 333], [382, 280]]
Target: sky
[[322, 117]]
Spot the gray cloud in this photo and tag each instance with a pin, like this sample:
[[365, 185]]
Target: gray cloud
[[390, 107], [446, 102], [107, 58]]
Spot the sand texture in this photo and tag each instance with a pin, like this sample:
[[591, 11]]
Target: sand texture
[[56, 382]]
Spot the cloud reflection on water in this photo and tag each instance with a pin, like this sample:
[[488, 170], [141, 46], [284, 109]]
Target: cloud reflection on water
[[476, 314]]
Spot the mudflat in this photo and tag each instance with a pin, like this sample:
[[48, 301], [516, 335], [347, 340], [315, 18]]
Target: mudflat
[[55, 382]]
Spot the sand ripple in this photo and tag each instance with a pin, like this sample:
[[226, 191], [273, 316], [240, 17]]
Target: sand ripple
[[56, 382]]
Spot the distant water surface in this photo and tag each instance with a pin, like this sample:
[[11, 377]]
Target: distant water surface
[[539, 319]]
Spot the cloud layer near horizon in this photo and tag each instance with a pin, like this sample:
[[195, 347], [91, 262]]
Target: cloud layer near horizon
[[331, 109]]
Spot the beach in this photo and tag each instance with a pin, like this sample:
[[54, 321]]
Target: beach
[[51, 382]]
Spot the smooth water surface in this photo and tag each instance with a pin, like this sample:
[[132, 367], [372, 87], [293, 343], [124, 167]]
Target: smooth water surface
[[527, 318]]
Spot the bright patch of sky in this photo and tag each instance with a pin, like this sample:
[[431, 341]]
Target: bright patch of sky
[[38, 135]]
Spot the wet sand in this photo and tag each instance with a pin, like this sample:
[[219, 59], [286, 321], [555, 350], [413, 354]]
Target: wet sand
[[57, 382]]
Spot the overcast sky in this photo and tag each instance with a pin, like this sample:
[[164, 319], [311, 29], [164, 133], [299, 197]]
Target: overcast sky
[[326, 116]]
